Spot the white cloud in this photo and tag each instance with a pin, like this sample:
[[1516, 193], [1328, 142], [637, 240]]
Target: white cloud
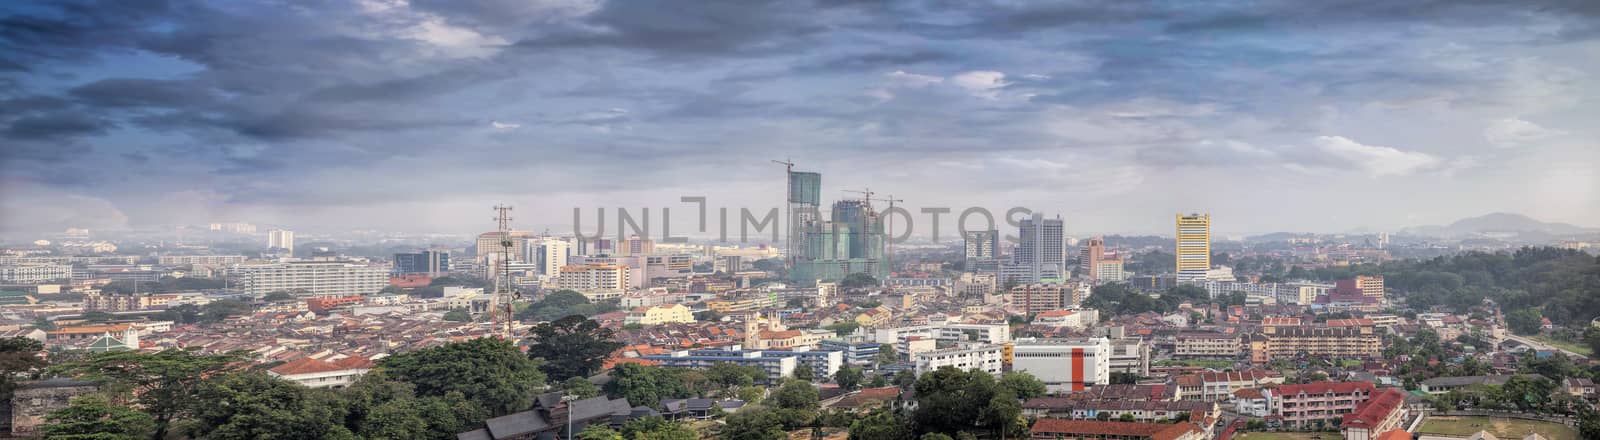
[[503, 125], [902, 78], [1514, 132], [1375, 160], [981, 83]]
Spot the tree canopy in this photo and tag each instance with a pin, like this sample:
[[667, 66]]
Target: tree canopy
[[573, 346], [490, 372]]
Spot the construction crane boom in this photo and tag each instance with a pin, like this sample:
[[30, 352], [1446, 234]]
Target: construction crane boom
[[788, 217]]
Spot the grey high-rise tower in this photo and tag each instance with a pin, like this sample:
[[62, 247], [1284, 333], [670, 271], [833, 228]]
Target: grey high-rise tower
[[1041, 252]]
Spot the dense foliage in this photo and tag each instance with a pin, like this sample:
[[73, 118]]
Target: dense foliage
[[489, 372], [562, 303], [573, 346]]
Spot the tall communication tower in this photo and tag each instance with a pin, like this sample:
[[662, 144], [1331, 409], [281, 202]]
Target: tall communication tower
[[504, 289]]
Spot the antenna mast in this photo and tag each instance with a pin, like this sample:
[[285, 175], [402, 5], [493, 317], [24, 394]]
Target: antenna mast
[[504, 290]]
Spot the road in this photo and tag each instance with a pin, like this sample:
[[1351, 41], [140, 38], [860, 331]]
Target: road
[[1542, 346]]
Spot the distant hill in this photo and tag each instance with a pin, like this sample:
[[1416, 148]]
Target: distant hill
[[1500, 223]]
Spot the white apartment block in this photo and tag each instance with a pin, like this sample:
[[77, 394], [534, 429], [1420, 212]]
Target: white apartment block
[[206, 260], [990, 333], [281, 239], [596, 281], [35, 273], [317, 278], [982, 357], [1064, 364]]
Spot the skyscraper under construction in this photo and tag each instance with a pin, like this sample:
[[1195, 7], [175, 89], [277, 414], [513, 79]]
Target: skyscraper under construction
[[851, 242]]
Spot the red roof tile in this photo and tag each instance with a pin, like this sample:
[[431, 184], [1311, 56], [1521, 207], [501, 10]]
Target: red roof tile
[[1154, 431]]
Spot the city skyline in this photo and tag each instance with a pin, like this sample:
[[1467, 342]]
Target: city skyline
[[416, 116]]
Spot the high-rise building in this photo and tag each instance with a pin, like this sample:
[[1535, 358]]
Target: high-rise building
[[805, 199], [548, 255], [432, 263], [311, 278], [636, 245], [1089, 257], [596, 281], [851, 242], [1042, 251], [1194, 246], [1109, 270], [981, 247], [1040, 298], [490, 243], [281, 239]]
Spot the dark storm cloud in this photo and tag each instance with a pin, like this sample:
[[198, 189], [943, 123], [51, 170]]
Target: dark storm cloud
[[719, 27], [55, 127], [130, 92]]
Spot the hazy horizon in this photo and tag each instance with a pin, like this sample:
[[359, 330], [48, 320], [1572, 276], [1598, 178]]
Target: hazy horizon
[[418, 116]]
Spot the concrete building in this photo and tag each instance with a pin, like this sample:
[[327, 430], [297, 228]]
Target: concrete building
[[1101, 430], [1381, 413], [281, 239], [982, 357], [1130, 356], [1337, 338], [663, 314], [1041, 297], [1064, 364], [1041, 251], [596, 281], [823, 363], [949, 331], [981, 248], [1193, 246], [855, 352], [311, 278], [1109, 270], [776, 366], [35, 273], [1311, 404], [204, 260], [433, 263], [317, 373], [1073, 319], [1207, 345]]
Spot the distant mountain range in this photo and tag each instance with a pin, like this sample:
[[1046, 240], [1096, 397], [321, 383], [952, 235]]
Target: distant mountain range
[[1500, 224]]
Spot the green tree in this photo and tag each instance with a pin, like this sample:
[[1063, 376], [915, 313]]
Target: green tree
[[599, 432], [905, 379], [164, 383], [858, 281], [488, 371], [278, 296], [935, 436], [803, 372], [1126, 417], [645, 385], [92, 417], [656, 428], [216, 311], [1524, 321], [795, 403], [581, 387], [754, 423], [19, 356], [572, 346], [882, 424], [952, 400], [1022, 385], [43, 323], [887, 355], [848, 378], [253, 405], [844, 327], [458, 314]]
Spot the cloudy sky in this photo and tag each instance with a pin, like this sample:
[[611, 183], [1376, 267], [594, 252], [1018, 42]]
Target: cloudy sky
[[419, 115]]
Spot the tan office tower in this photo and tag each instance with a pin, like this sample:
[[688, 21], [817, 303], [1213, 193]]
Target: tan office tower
[[1089, 257], [1194, 246]]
